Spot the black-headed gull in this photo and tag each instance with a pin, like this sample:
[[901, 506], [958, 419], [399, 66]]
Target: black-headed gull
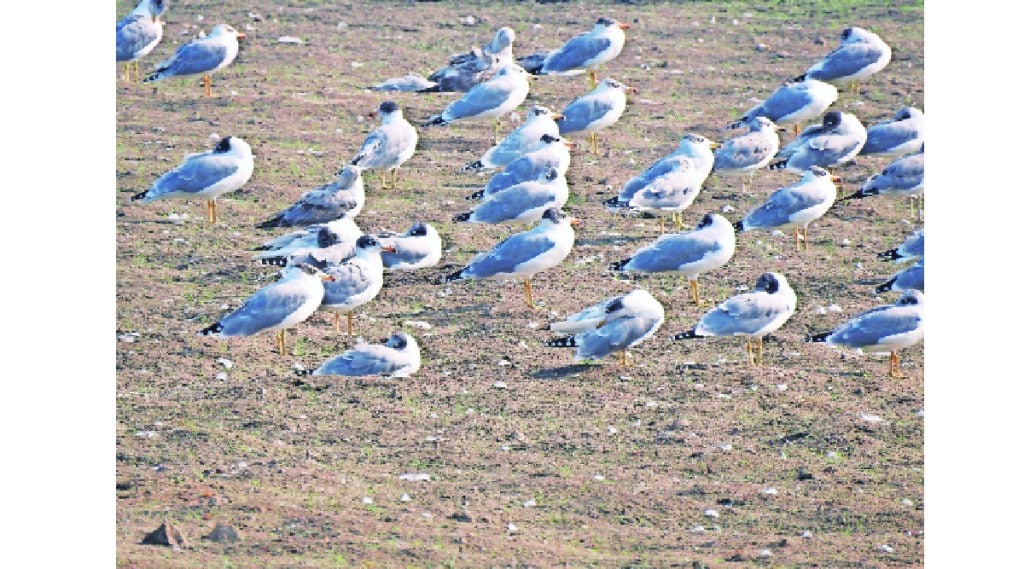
[[553, 153], [201, 56], [838, 141], [357, 280], [390, 145], [522, 255], [707, 247], [619, 323], [901, 135], [275, 307], [205, 175], [420, 246], [522, 203], [753, 315], [882, 329], [318, 244]]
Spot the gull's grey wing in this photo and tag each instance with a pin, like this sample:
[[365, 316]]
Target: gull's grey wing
[[192, 58], [886, 136], [479, 99], [509, 204], [845, 61], [134, 32], [523, 169], [366, 359], [576, 52], [782, 102], [581, 112], [779, 207], [741, 314], [351, 279], [510, 253], [673, 251], [267, 307], [742, 151], [872, 327], [196, 174], [614, 336]]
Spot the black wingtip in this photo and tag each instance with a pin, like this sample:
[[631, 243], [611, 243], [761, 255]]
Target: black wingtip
[[779, 165], [734, 125], [738, 226], [799, 78], [686, 335], [432, 89], [618, 265], [890, 255], [211, 329], [819, 337], [564, 342], [435, 120], [472, 166], [886, 286], [859, 194], [304, 372], [140, 196], [457, 275], [274, 261], [272, 223], [462, 217], [475, 195]]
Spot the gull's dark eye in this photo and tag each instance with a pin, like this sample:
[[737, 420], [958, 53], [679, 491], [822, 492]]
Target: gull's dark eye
[[705, 221], [614, 305], [224, 145]]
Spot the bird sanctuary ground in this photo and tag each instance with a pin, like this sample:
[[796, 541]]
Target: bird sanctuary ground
[[501, 452]]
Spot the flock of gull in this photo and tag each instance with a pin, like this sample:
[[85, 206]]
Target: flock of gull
[[329, 264]]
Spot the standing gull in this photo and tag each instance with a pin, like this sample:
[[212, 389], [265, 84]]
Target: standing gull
[[397, 356], [838, 141], [418, 247], [693, 146], [522, 203], [903, 178], [861, 55], [466, 70], [882, 329], [343, 197], [204, 56], [588, 50], [794, 207], [708, 247], [389, 145], [624, 321], [138, 33], [553, 153], [206, 175], [903, 134], [522, 255], [488, 100], [357, 280], [671, 191], [275, 307], [751, 314], [595, 111], [794, 103], [526, 138], [747, 153]]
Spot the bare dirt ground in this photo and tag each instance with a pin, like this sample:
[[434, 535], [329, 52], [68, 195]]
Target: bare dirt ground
[[688, 458]]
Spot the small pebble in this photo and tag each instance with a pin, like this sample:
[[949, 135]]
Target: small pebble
[[367, 500], [415, 476], [289, 39], [765, 553], [728, 208], [500, 385], [711, 513], [885, 548], [529, 503], [228, 364], [512, 527], [598, 477], [769, 491], [806, 535], [405, 498], [221, 376]]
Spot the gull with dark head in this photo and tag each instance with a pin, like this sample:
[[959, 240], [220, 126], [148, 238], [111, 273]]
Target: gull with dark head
[[532, 166], [418, 247], [524, 139], [838, 141], [753, 315], [901, 135], [390, 145], [618, 323], [883, 329], [207, 175], [708, 247], [357, 280], [522, 203]]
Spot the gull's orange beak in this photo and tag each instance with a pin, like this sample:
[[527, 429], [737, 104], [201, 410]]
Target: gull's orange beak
[[632, 90], [623, 26], [328, 278], [714, 145], [557, 116], [373, 114], [388, 248], [575, 222], [240, 36], [570, 143], [836, 179]]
